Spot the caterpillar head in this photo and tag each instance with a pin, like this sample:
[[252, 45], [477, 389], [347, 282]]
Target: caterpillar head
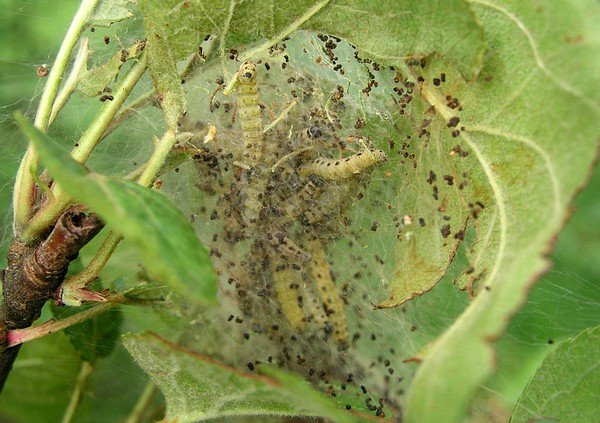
[[247, 73]]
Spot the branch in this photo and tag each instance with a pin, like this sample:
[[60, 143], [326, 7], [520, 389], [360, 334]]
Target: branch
[[34, 273]]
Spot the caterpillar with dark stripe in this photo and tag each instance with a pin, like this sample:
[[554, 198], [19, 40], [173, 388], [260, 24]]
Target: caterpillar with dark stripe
[[328, 293], [340, 169], [288, 286], [249, 113]]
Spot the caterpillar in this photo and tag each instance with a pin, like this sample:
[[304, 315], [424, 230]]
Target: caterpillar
[[328, 293], [249, 113], [287, 284], [252, 188], [340, 169]]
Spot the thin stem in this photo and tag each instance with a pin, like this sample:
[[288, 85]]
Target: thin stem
[[64, 94], [84, 373], [148, 97], [156, 161], [20, 336], [24, 191], [60, 64], [139, 103], [92, 270], [279, 118], [93, 134], [142, 403], [90, 138]]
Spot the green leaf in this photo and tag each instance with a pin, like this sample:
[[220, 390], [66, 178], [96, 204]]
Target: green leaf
[[199, 388], [565, 387], [528, 169], [386, 30], [163, 69], [143, 216], [96, 81], [93, 338], [41, 382], [111, 11]]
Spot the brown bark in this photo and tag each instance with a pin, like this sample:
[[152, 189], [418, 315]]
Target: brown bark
[[34, 273]]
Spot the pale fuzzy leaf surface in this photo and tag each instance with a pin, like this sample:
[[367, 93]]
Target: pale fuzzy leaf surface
[[533, 126], [382, 29], [565, 387], [163, 69], [97, 81], [199, 388], [112, 11], [171, 250]]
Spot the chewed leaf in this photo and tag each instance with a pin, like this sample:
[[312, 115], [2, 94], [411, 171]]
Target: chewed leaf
[[171, 250], [198, 388], [526, 173], [111, 11], [95, 82], [565, 387]]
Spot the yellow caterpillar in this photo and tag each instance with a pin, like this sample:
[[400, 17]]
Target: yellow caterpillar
[[339, 169], [288, 284], [328, 293], [252, 188], [249, 113]]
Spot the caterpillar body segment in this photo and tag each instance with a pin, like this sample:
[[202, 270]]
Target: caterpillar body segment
[[252, 191], [287, 284], [328, 293], [340, 169], [249, 113]]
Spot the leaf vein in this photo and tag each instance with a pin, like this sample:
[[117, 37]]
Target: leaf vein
[[538, 58]]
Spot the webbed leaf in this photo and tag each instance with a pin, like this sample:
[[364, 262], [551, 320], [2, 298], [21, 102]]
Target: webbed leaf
[[198, 388]]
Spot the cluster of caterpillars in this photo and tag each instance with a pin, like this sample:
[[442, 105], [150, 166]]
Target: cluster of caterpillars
[[288, 200]]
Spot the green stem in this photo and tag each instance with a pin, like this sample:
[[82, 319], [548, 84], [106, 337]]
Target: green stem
[[90, 138], [24, 191], [84, 373], [44, 218], [64, 94], [142, 403], [161, 151], [93, 134], [148, 97], [92, 270]]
